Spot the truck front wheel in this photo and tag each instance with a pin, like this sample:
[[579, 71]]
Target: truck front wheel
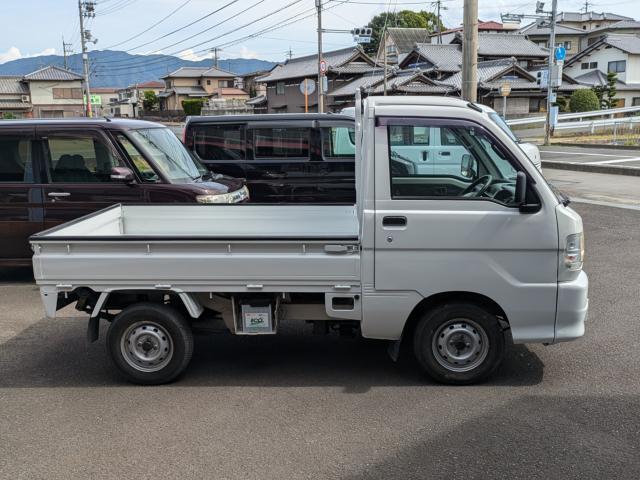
[[150, 343], [459, 343]]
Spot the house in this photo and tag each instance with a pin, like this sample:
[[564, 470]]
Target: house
[[194, 82], [284, 80], [440, 61], [47, 92], [616, 53], [588, 21], [446, 36], [55, 92], [101, 98], [628, 27], [128, 102], [570, 38], [400, 41], [15, 101]]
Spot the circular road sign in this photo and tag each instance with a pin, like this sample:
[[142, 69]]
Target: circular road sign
[[561, 53], [323, 67], [307, 86]]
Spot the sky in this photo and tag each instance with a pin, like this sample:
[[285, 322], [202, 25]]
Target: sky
[[37, 27]]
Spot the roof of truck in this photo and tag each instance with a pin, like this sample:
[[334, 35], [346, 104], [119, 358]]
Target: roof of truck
[[114, 123]]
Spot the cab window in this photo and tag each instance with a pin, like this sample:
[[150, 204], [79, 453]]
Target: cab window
[[140, 163], [15, 159], [338, 142]]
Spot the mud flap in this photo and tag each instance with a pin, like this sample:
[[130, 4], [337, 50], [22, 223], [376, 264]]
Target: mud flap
[[93, 329]]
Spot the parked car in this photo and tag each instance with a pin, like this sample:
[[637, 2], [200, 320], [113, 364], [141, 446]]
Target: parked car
[[53, 171], [284, 157]]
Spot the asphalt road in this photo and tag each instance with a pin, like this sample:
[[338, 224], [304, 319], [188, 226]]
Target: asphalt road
[[298, 406], [593, 156]]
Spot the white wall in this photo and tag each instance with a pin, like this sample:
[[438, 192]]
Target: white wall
[[42, 92], [603, 56]]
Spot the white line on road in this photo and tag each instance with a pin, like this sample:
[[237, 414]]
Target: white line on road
[[621, 160], [585, 154], [605, 204]]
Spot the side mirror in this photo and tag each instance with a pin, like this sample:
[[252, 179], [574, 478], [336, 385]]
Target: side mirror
[[468, 166], [521, 189], [122, 174]]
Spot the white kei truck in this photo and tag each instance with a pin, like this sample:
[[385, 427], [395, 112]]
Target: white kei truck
[[450, 265]]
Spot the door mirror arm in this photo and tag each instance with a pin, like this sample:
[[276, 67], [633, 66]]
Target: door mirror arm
[[521, 195]]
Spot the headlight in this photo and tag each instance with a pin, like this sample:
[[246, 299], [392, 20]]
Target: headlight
[[232, 197], [574, 252]]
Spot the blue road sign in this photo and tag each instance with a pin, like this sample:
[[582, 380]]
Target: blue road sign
[[561, 53]]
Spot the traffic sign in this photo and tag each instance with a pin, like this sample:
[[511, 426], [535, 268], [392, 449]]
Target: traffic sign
[[505, 89], [561, 53], [307, 86], [323, 67]]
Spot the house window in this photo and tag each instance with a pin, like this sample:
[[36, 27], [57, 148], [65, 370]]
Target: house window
[[280, 88], [199, 82], [67, 93], [588, 65], [635, 101], [566, 45], [619, 66], [208, 82]]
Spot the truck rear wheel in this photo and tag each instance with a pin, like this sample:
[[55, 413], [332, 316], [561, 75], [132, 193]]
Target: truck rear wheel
[[459, 343], [150, 343]]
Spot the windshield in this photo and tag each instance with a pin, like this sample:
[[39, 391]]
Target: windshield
[[503, 125], [168, 154]]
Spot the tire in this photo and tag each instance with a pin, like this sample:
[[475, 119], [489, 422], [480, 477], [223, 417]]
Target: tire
[[459, 343], [150, 343]]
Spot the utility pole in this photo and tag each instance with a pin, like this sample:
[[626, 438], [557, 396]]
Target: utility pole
[[290, 54], [215, 56], [384, 52], [470, 51], [438, 3], [86, 9], [320, 59], [66, 50], [550, 63]]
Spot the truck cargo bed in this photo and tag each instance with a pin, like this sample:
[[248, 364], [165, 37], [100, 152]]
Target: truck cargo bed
[[203, 247]]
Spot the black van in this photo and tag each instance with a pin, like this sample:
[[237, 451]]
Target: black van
[[284, 157]]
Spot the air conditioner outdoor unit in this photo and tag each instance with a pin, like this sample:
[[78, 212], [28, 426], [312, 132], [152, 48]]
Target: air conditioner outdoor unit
[[25, 98]]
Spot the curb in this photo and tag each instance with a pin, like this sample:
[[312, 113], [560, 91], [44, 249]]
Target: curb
[[596, 145], [585, 167]]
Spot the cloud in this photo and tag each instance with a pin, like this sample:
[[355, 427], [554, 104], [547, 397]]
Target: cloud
[[246, 53], [14, 53], [189, 54]]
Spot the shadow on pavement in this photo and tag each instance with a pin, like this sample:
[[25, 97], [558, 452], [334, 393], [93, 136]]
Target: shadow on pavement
[[54, 353], [532, 437], [16, 275]]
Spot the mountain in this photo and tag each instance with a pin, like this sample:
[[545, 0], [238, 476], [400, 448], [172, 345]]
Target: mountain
[[110, 68]]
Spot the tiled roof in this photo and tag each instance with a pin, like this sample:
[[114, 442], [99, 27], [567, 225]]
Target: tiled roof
[[502, 44], [13, 86], [406, 38], [588, 16], [52, 73], [259, 100], [535, 29], [14, 106], [104, 90], [191, 91], [446, 58], [350, 88], [308, 66], [487, 71], [625, 24], [490, 25], [406, 81], [598, 78], [626, 43], [230, 91], [151, 84], [197, 72]]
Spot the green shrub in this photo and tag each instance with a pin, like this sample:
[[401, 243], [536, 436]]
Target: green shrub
[[192, 107], [584, 100]]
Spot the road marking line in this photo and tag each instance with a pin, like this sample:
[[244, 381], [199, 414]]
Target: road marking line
[[604, 204], [586, 154], [604, 162]]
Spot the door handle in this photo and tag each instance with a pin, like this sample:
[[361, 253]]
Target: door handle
[[394, 221], [58, 194], [425, 155], [338, 249], [445, 154]]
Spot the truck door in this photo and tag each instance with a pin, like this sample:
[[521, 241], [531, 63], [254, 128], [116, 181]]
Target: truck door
[[458, 229], [78, 165], [21, 210]]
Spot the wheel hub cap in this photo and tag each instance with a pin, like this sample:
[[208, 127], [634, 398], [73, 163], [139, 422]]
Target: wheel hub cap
[[147, 346], [460, 345]]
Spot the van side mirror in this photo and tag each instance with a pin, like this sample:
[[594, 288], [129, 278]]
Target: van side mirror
[[468, 166], [122, 174], [521, 189]]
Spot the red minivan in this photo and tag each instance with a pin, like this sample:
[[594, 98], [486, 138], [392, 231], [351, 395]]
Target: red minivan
[[52, 171]]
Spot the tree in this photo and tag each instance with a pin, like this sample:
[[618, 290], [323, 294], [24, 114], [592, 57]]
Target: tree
[[193, 106], [403, 18], [584, 100], [606, 93], [149, 100], [8, 116]]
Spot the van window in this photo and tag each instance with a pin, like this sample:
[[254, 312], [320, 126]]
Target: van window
[[141, 164], [220, 142], [15, 160], [281, 142], [338, 142], [79, 159]]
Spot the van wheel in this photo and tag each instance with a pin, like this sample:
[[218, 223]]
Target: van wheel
[[150, 343], [459, 343]]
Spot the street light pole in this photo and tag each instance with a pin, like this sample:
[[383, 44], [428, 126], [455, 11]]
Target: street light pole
[[550, 62]]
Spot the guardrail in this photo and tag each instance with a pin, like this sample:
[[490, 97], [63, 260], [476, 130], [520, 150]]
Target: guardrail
[[579, 115]]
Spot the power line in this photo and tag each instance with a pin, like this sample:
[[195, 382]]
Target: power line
[[149, 28]]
